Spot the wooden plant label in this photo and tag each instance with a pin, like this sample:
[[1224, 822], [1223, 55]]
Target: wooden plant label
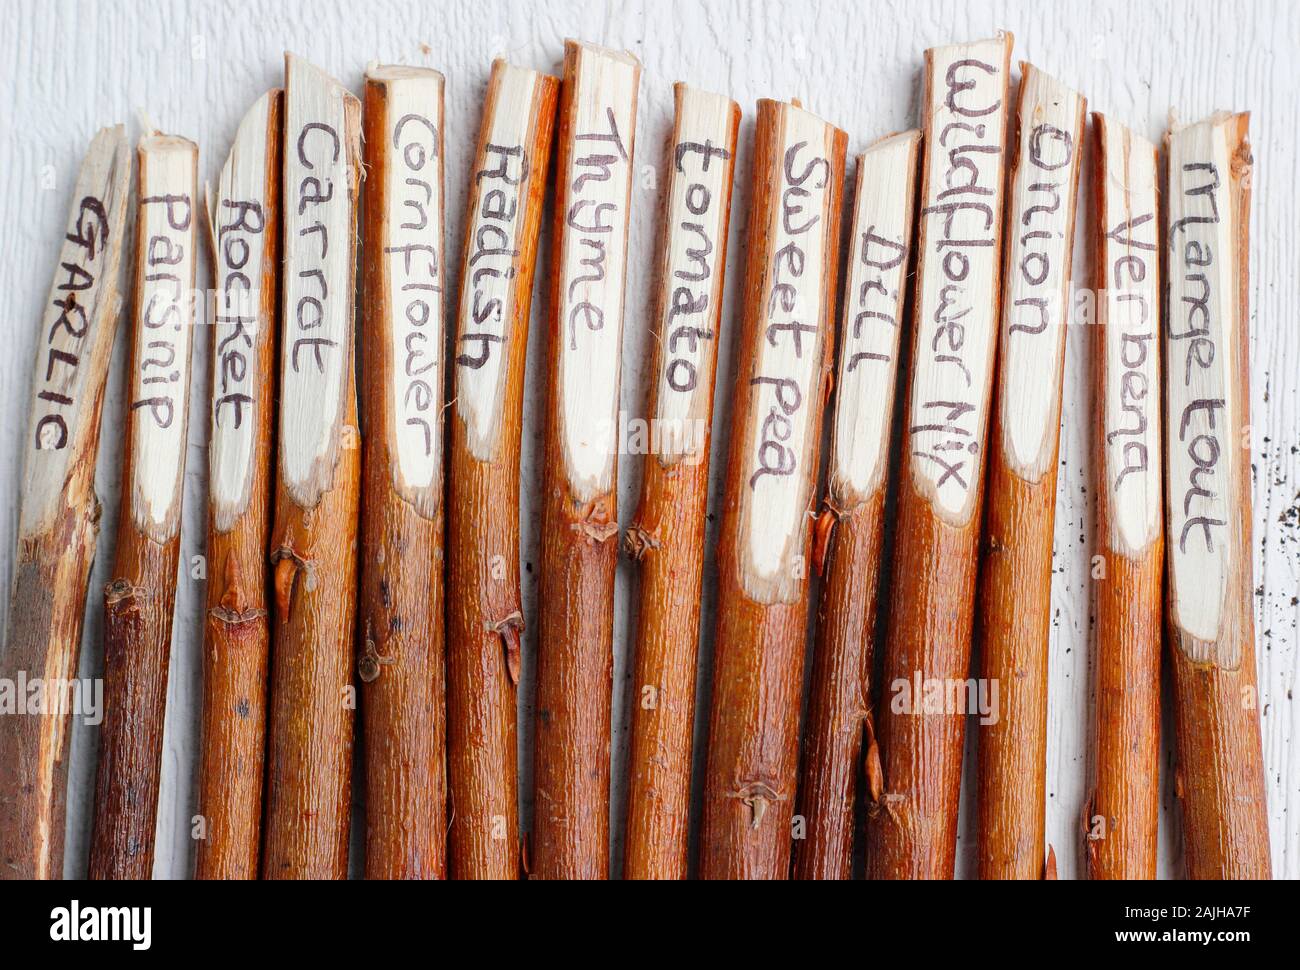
[[494, 254], [880, 243], [690, 284], [592, 261], [58, 520], [322, 119], [164, 330], [411, 241], [1123, 811], [1036, 290], [507, 186], [1205, 396], [244, 226], [242, 239], [958, 270], [1130, 264], [76, 335], [314, 539], [776, 493]]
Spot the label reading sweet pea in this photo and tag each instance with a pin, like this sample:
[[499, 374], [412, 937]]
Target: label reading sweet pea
[[786, 385]]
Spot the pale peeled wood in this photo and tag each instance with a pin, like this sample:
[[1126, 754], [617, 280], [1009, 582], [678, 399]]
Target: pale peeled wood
[[140, 600], [314, 535], [484, 610], [400, 651], [847, 546], [1015, 585], [59, 517], [913, 826], [782, 380], [244, 224], [1220, 773], [594, 172], [1124, 809], [667, 534]]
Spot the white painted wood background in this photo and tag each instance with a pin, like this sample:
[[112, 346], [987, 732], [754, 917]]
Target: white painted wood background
[[194, 68]]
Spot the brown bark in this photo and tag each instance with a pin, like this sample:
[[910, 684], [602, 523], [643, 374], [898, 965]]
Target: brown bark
[[137, 646], [484, 610], [914, 829], [1014, 628], [309, 752], [667, 533], [913, 824], [1126, 799], [59, 518], [401, 662], [579, 520], [839, 708], [850, 529], [752, 762], [232, 755], [1220, 772], [1015, 587], [314, 542], [1124, 811], [140, 601]]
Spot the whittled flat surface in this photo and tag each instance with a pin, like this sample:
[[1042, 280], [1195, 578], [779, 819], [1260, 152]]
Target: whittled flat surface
[[71, 68]]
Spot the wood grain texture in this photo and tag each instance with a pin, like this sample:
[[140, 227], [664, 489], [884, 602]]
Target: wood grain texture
[[314, 547], [1014, 609], [485, 620], [244, 219], [839, 736], [667, 534], [752, 765], [1220, 773], [140, 601], [59, 511], [839, 743], [747, 49], [1122, 816], [400, 656], [571, 814], [921, 722]]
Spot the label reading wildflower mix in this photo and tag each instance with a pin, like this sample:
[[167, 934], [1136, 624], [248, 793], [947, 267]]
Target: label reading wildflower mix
[[958, 265]]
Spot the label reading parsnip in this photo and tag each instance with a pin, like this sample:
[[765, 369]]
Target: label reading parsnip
[[160, 373]]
